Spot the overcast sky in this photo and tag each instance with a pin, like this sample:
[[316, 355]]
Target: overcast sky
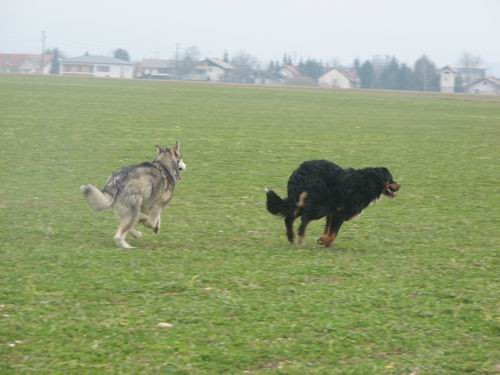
[[320, 29]]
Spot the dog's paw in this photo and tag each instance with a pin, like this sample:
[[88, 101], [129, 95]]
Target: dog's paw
[[121, 243], [135, 233], [156, 229], [325, 241]]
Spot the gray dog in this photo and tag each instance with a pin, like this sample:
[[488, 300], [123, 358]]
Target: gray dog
[[138, 193]]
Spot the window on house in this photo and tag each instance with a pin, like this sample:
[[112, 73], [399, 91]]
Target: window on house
[[103, 68], [78, 68]]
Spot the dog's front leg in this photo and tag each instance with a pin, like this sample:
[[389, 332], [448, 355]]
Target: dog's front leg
[[144, 220], [135, 233], [154, 219], [332, 228], [156, 227]]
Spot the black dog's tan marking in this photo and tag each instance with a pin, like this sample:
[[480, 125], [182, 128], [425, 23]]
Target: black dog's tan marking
[[302, 199], [320, 188]]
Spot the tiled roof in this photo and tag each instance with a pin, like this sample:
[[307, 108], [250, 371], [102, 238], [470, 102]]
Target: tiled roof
[[17, 60], [95, 60], [495, 81], [219, 62]]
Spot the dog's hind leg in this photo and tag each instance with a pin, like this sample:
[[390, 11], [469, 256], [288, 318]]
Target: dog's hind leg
[[289, 219], [302, 228], [128, 218]]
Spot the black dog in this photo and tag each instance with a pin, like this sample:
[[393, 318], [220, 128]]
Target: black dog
[[321, 188]]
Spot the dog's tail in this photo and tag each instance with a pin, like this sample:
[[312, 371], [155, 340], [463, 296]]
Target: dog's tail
[[97, 199], [275, 204]]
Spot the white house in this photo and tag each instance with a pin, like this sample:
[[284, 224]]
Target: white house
[[447, 79], [211, 69], [450, 74], [25, 63], [288, 72], [97, 66], [484, 86], [342, 78]]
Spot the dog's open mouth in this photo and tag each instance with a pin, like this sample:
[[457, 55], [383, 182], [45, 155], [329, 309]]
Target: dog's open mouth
[[391, 190]]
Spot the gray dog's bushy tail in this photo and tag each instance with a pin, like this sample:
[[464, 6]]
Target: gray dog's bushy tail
[[275, 204], [98, 200]]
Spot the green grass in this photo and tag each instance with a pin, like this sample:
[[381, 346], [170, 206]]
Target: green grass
[[409, 288]]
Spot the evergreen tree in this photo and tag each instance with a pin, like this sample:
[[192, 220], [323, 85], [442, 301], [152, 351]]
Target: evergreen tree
[[285, 59], [311, 68], [389, 78], [356, 65], [367, 75], [121, 54], [55, 64], [271, 68], [426, 75], [406, 78], [226, 56]]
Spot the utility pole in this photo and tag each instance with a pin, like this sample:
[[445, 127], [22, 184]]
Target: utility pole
[[43, 52]]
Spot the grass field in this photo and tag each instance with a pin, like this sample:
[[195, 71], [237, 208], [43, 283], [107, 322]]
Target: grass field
[[409, 288]]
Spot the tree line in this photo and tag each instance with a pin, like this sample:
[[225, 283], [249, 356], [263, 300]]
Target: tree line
[[387, 72]]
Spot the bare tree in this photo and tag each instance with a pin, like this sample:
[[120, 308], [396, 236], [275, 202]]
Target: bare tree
[[470, 64], [334, 62], [189, 57], [468, 60], [245, 65]]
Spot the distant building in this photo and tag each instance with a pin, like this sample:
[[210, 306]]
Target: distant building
[[343, 78], [211, 69], [452, 78], [447, 78], [288, 72], [24, 63], [156, 68], [97, 66], [484, 86]]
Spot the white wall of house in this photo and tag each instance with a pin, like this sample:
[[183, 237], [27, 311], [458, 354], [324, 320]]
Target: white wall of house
[[216, 73], [98, 70], [334, 78], [483, 87], [113, 71], [447, 80], [207, 73]]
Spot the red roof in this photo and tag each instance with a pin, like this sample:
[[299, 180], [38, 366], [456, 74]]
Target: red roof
[[17, 60]]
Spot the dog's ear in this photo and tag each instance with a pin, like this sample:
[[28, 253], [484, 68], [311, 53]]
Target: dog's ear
[[177, 148], [160, 149]]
